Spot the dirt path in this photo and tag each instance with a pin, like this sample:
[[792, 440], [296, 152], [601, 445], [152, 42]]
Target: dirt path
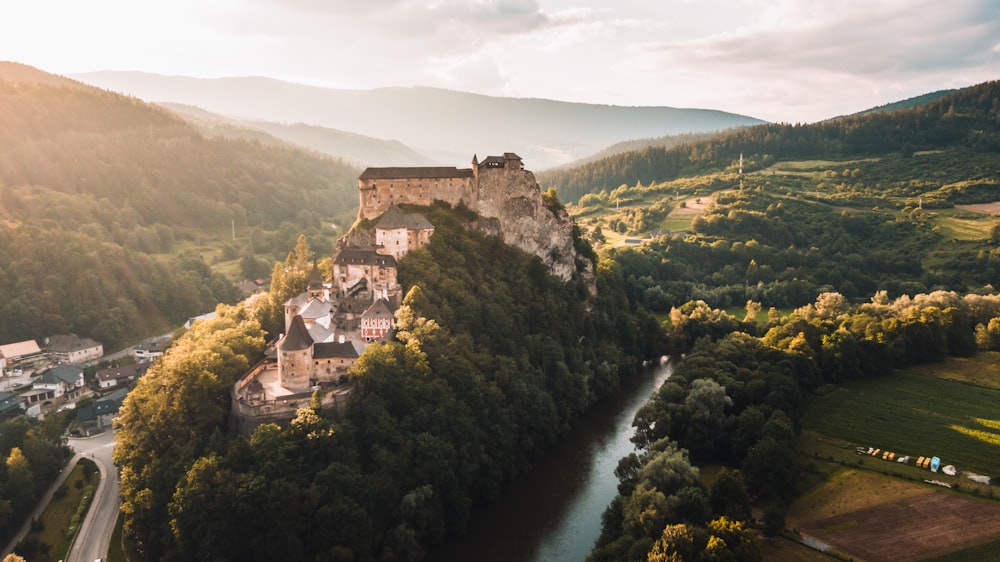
[[988, 208]]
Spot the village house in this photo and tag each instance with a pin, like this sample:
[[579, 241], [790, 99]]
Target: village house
[[11, 405], [69, 348], [119, 376], [60, 383], [22, 355], [103, 411], [151, 348]]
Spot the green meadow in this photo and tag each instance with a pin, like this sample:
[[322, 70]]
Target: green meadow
[[914, 414]]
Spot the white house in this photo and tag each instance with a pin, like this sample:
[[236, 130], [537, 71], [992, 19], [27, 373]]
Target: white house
[[118, 376], [69, 348], [151, 348], [63, 380]]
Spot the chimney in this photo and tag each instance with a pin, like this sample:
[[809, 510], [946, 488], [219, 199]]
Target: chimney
[[341, 339]]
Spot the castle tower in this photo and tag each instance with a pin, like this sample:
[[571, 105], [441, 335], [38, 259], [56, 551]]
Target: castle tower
[[295, 357], [315, 289]]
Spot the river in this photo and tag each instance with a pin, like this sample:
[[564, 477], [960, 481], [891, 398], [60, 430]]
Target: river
[[553, 513]]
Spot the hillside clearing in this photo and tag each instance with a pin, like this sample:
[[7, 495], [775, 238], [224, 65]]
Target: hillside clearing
[[691, 207], [988, 208]]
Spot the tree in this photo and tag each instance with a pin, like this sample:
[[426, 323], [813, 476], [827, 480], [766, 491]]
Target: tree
[[729, 496], [20, 484]]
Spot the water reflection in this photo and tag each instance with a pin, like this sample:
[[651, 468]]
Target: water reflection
[[553, 514]]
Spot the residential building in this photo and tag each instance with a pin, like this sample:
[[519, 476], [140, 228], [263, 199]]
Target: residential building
[[22, 355], [64, 380], [70, 348], [119, 376], [11, 405], [149, 349]]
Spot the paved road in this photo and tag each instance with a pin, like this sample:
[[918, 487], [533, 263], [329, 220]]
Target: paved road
[[95, 532]]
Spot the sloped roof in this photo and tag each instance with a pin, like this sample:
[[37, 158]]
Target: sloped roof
[[69, 342], [20, 349], [315, 277], [379, 309], [316, 309], [363, 256], [394, 218], [64, 373], [9, 401], [298, 337], [422, 172], [110, 403], [336, 349], [121, 372], [300, 299], [154, 344]]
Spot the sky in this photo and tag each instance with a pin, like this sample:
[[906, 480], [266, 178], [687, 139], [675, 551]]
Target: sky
[[779, 60]]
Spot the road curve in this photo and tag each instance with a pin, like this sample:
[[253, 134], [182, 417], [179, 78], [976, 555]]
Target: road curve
[[95, 533]]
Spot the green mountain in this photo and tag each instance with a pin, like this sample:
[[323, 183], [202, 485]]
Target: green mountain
[[443, 123], [967, 118], [908, 103], [107, 205]]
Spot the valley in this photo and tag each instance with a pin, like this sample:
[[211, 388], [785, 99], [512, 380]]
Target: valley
[[821, 287]]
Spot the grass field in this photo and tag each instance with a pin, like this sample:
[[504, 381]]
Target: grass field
[[962, 225], [983, 369], [676, 224], [914, 414]]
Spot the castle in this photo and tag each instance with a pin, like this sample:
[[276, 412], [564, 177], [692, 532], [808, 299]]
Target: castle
[[381, 187], [328, 326]]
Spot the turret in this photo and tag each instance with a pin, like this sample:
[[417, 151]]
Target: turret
[[295, 357]]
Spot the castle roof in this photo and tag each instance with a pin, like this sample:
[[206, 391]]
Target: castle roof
[[360, 256], [394, 218], [299, 300], [422, 172], [315, 278], [298, 337], [498, 161], [379, 309], [316, 309], [335, 349]]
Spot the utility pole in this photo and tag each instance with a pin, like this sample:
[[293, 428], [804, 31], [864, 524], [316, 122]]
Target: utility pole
[[741, 172]]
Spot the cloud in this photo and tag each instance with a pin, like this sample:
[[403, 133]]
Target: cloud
[[867, 39]]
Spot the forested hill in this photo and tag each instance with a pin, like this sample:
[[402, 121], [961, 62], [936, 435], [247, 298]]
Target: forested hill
[[99, 192], [494, 359], [969, 117]]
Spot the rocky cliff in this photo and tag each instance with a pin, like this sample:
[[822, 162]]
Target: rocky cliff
[[511, 206]]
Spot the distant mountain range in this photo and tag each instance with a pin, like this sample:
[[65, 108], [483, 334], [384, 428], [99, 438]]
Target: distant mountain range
[[355, 149], [442, 126]]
